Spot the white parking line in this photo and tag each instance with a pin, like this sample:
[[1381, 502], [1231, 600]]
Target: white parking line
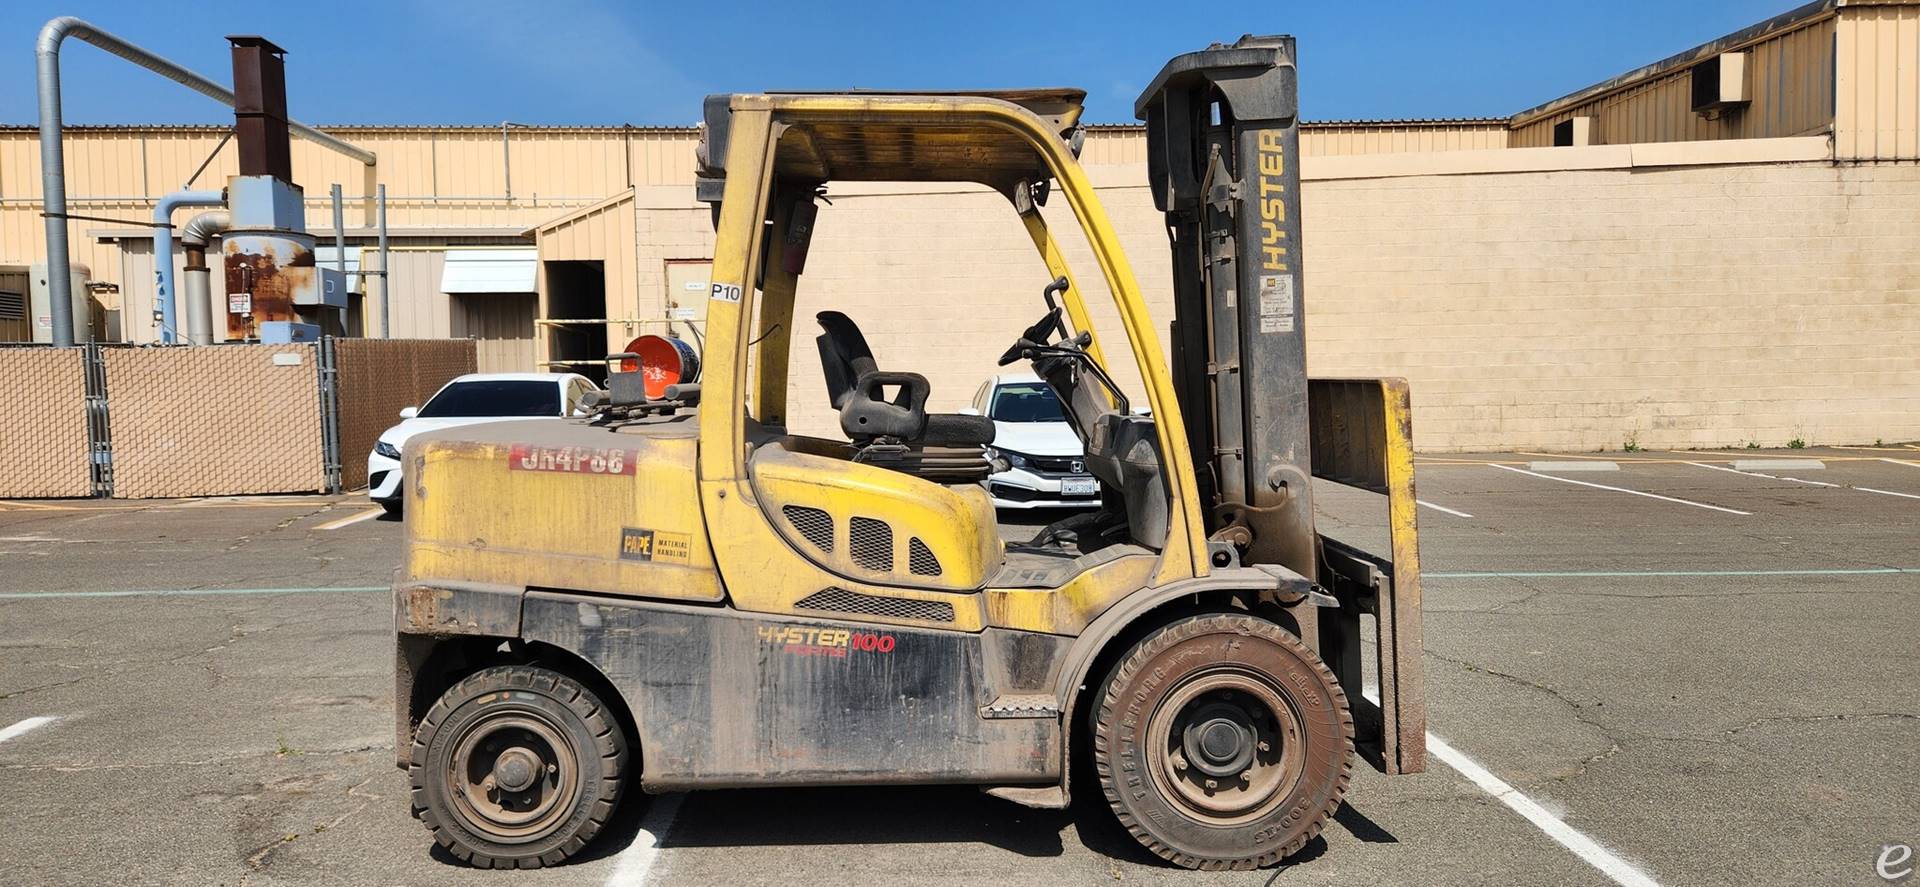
[[1901, 462], [23, 727], [369, 514], [1568, 480], [1887, 493], [1567, 836], [1441, 508], [630, 868], [1811, 483]]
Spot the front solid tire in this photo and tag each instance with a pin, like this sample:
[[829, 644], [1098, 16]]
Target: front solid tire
[[517, 766], [1222, 742]]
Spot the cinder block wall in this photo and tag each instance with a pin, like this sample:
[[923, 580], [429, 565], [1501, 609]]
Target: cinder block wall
[[1694, 306], [1704, 306]]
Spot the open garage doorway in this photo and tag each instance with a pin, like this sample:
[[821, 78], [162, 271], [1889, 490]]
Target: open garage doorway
[[577, 290]]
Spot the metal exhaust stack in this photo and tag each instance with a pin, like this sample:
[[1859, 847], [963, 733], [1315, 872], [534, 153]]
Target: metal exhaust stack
[[53, 162], [275, 292]]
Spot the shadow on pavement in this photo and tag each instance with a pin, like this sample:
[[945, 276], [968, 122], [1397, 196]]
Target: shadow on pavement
[[856, 816]]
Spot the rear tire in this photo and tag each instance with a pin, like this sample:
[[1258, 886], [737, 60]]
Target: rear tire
[[392, 506], [1222, 742], [517, 766]]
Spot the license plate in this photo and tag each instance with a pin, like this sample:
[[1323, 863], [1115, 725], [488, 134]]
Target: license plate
[[1079, 486]]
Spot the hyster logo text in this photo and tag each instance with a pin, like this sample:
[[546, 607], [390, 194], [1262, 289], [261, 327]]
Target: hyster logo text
[[801, 640], [1273, 203]]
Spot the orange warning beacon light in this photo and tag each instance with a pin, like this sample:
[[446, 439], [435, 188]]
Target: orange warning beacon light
[[663, 361]]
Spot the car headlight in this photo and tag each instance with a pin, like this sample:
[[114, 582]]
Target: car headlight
[[386, 449], [1014, 459]]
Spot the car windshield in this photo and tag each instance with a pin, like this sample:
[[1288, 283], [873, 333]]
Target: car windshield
[[494, 397], [1029, 402]]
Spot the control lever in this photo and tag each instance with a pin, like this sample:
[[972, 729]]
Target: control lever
[[1058, 286]]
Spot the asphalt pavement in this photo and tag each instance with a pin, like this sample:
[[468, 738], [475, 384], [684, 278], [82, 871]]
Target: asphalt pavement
[[1705, 672]]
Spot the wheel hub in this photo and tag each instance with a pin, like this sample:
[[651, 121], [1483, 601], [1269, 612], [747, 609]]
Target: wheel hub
[[1226, 746], [514, 776], [1219, 740], [515, 769]]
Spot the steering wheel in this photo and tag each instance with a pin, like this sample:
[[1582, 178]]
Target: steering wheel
[[1036, 335]]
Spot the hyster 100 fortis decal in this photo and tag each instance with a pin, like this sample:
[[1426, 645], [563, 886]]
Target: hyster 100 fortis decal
[[807, 640]]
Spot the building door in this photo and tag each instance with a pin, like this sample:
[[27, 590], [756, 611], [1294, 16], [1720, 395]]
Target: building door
[[687, 282], [577, 291]]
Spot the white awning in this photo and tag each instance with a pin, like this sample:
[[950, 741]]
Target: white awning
[[323, 257], [490, 270]]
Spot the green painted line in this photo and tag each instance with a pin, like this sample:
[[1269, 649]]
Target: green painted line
[[1631, 574], [192, 592]]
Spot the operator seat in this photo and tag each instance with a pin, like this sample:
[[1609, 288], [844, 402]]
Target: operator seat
[[896, 433]]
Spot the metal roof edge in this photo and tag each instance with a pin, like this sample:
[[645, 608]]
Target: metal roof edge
[[611, 200], [1792, 19]]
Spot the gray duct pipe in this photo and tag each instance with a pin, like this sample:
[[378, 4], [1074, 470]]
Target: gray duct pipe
[[197, 288], [53, 163], [163, 252]]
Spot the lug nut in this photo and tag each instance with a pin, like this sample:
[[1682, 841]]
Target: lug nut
[[1264, 746], [1213, 783]]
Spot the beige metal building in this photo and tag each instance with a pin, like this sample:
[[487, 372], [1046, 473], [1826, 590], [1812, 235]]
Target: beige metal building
[[1713, 249]]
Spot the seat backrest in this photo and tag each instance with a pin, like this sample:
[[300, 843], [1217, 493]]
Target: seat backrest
[[844, 355]]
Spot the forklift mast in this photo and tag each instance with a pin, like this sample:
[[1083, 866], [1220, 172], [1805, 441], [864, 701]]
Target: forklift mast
[[1223, 160]]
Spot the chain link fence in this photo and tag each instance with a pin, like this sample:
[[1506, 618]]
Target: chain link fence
[[135, 423]]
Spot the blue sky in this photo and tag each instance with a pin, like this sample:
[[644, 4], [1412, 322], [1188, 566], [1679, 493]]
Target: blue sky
[[601, 62]]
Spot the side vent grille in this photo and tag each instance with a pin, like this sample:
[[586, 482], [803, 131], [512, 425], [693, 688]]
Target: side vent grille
[[840, 600], [920, 559], [815, 526], [871, 544]]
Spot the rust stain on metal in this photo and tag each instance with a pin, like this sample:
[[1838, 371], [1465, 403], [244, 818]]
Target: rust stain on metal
[[423, 606], [261, 285]]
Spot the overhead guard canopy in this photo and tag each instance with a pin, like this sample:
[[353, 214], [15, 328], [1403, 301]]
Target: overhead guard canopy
[[850, 138]]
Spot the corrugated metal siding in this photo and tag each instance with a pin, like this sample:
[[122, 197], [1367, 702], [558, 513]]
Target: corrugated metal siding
[[1877, 91], [444, 177], [423, 312], [501, 325], [1789, 78], [603, 233], [1327, 140], [1114, 146]]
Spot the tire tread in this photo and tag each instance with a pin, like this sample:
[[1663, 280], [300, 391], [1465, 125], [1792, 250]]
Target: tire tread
[[610, 746], [1142, 653]]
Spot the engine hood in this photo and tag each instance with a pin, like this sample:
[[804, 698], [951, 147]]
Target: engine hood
[[1037, 438]]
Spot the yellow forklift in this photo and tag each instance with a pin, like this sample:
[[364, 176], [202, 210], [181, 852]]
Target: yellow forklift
[[679, 593]]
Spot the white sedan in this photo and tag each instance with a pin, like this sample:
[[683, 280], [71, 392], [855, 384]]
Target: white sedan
[[471, 400], [1046, 465]]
